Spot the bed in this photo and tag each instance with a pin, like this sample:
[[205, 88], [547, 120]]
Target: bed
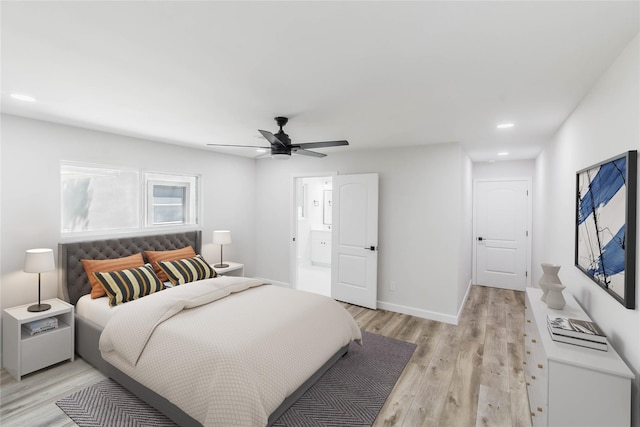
[[264, 359]]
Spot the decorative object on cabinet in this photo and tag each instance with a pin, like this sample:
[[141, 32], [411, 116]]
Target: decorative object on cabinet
[[568, 385], [555, 300], [577, 341], [605, 247], [549, 275], [39, 326], [39, 261], [577, 332], [221, 237], [577, 328]]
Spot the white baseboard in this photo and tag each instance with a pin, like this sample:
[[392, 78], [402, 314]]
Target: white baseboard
[[464, 300], [418, 312], [397, 308], [426, 314]]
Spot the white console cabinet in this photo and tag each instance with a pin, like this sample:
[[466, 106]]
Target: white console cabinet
[[570, 385]]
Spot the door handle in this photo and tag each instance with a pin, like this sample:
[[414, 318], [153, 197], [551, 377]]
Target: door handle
[[371, 248], [480, 239]]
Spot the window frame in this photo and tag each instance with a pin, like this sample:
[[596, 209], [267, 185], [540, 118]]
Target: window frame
[[190, 183], [143, 191]]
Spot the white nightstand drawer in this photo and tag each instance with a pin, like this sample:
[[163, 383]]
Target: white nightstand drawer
[[44, 349]]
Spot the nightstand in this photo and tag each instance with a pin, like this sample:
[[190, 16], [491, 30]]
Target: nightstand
[[23, 353], [234, 269]]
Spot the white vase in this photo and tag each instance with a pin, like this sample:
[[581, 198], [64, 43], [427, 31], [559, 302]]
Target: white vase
[[555, 299], [550, 275]]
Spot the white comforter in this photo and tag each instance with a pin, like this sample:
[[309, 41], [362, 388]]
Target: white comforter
[[227, 351]]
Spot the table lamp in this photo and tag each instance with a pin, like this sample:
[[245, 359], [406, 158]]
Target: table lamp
[[221, 237], [39, 261]]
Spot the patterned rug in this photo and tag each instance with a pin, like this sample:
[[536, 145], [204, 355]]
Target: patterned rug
[[350, 393]]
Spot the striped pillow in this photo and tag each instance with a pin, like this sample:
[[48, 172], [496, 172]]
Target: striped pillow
[[94, 265], [126, 285], [187, 270], [172, 255]]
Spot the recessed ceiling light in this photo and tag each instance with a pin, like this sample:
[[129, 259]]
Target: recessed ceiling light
[[503, 153], [22, 97], [505, 125]]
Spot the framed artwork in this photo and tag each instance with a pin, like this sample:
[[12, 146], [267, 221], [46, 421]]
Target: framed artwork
[[606, 225]]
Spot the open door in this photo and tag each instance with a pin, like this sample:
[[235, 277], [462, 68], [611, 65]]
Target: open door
[[354, 257]]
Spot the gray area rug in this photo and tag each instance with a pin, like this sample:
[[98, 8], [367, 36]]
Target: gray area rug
[[350, 393]]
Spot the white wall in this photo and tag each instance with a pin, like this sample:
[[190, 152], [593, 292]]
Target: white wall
[[605, 124], [504, 169], [30, 199], [422, 225]]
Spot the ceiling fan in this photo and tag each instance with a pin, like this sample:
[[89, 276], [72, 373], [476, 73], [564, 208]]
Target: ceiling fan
[[281, 146]]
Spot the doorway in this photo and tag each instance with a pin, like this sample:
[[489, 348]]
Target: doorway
[[313, 202], [502, 220]]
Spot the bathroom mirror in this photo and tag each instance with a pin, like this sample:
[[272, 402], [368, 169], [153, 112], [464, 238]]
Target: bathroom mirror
[[326, 208]]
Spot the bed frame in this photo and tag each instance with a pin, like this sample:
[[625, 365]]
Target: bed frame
[[87, 333]]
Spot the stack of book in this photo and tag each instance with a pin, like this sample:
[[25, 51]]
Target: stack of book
[[40, 326], [577, 332]]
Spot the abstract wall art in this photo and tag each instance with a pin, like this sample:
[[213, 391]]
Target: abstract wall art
[[605, 247]]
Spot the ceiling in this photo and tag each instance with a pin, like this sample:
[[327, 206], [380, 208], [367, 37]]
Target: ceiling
[[379, 74]]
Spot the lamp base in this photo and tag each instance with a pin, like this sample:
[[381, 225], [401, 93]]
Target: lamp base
[[39, 307], [221, 266]]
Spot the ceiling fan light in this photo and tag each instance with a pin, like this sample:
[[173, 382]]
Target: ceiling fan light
[[280, 156]]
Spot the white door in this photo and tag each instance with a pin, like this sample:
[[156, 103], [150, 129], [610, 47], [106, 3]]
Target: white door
[[501, 231], [354, 257]]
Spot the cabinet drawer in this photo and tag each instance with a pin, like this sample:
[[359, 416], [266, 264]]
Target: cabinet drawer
[[43, 350], [535, 371], [537, 396]]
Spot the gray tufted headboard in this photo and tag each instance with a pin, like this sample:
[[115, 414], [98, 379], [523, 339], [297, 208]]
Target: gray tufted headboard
[[72, 275]]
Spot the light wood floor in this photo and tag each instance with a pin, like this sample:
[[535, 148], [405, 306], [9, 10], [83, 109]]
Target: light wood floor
[[465, 375]]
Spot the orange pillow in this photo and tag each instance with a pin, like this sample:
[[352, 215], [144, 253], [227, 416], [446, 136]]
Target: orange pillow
[[154, 256], [106, 265]]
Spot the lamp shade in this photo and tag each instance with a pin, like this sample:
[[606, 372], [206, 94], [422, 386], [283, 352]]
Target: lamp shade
[[39, 261], [221, 237]]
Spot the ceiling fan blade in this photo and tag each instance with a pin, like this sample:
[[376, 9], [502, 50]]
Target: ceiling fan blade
[[242, 146], [271, 138], [307, 152], [306, 145]]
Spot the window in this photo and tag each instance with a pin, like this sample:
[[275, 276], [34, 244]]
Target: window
[[171, 199], [98, 198], [169, 204]]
